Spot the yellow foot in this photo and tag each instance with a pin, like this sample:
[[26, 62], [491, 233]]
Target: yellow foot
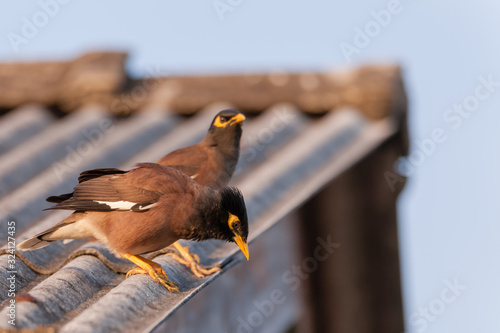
[[154, 270], [137, 270], [192, 261]]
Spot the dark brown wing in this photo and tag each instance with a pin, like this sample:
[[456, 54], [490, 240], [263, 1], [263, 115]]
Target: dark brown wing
[[188, 160], [136, 190], [96, 173], [85, 176], [59, 198]]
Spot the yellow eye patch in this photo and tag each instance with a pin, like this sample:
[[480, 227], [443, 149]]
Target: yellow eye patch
[[219, 123], [223, 121], [231, 220]]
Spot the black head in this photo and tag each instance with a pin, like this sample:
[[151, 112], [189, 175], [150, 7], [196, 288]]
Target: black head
[[226, 119], [226, 129], [237, 221]]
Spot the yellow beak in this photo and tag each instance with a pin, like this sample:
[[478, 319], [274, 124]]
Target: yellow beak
[[237, 119], [243, 245]]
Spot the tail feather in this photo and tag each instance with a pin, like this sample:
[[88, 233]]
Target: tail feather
[[62, 230], [41, 240], [33, 243]]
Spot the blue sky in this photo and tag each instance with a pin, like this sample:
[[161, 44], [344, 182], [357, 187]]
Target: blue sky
[[449, 211]]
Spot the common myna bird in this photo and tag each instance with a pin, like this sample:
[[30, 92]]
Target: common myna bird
[[210, 162], [144, 210]]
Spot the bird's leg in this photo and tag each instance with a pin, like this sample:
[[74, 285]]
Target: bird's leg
[[192, 261], [153, 269]]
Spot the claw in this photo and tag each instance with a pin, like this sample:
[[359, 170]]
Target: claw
[[195, 257], [192, 261], [134, 271], [154, 270]]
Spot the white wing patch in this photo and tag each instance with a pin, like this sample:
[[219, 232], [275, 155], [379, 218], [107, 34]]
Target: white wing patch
[[194, 176], [127, 205], [118, 205]]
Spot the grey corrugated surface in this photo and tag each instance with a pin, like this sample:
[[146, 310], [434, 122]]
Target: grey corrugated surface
[[280, 167], [17, 127], [38, 153]]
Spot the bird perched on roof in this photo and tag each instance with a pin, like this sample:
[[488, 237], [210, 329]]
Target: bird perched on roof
[[210, 162], [144, 210]]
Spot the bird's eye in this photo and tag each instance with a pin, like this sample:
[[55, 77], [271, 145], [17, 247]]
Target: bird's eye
[[235, 225], [222, 119]]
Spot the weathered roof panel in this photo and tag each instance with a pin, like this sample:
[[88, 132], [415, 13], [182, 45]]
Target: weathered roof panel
[[17, 127]]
